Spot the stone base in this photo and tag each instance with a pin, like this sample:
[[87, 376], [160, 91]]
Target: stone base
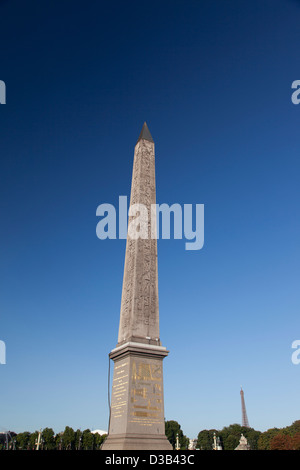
[[137, 405], [136, 442]]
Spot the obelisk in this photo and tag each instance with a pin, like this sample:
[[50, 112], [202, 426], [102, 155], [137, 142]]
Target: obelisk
[[137, 399]]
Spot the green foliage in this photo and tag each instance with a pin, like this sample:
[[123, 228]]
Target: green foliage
[[287, 438], [23, 440], [294, 428], [87, 440], [281, 442], [267, 439], [296, 441], [98, 440], [59, 441], [230, 436], [230, 442], [78, 439], [68, 438], [33, 439], [172, 428], [252, 437], [48, 439], [205, 439]]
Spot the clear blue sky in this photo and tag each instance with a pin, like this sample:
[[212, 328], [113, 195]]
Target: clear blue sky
[[213, 81]]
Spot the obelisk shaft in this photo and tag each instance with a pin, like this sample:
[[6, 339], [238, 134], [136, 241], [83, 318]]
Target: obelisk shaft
[[139, 318]]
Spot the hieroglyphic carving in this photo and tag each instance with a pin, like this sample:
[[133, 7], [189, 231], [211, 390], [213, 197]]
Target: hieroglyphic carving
[[139, 305]]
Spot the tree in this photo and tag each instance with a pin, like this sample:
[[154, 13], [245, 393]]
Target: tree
[[205, 439], [172, 428], [68, 438], [265, 438], [22, 440], [98, 439], [49, 441], [231, 442], [294, 428], [78, 440], [33, 440], [59, 441], [230, 436], [252, 437], [288, 438], [296, 441], [281, 442], [87, 440]]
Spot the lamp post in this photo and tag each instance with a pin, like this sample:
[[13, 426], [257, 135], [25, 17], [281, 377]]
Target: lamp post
[[38, 440], [177, 442]]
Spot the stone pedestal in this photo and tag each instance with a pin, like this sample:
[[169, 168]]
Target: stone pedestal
[[137, 402]]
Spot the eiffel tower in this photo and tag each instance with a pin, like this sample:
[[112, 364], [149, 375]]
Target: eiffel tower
[[245, 422]]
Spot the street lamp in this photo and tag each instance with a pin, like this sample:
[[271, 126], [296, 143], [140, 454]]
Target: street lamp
[[177, 442]]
